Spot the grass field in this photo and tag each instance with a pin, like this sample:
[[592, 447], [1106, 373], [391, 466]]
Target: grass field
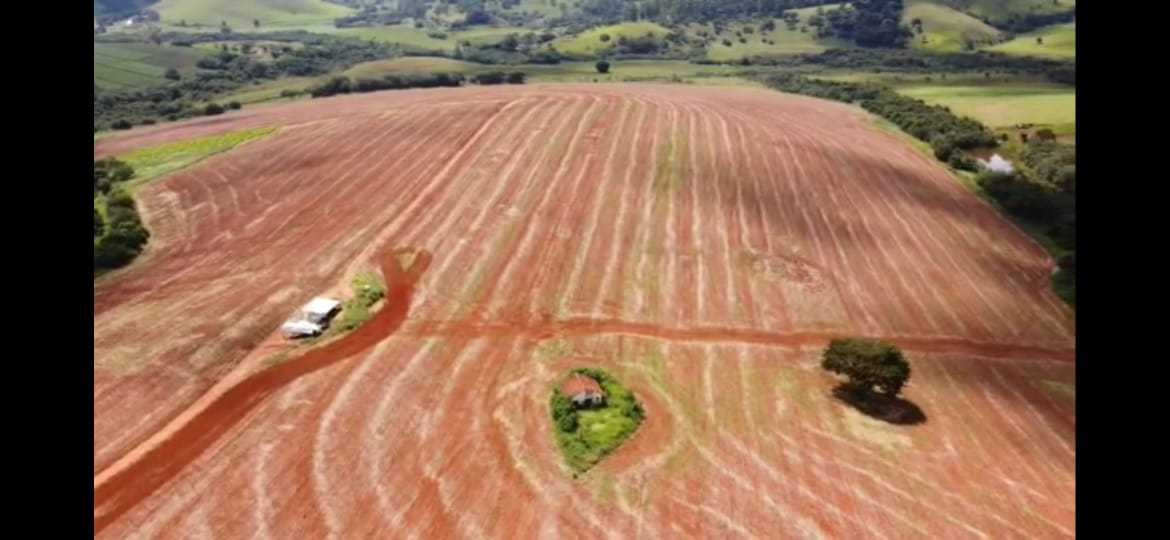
[[565, 72], [1001, 101], [1059, 41], [414, 64], [785, 41], [589, 42], [270, 91], [1001, 106], [1000, 10], [240, 13], [136, 65], [416, 38], [945, 29]]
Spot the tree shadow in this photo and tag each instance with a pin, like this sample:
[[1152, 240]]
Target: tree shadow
[[893, 410]]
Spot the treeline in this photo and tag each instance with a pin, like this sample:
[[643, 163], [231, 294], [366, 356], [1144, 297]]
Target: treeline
[[1018, 24], [345, 85], [1059, 71], [1049, 170], [1043, 194], [514, 49], [120, 236], [227, 71], [683, 11]]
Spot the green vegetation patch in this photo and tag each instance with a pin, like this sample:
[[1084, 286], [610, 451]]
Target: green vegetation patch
[[777, 38], [586, 435], [946, 30], [122, 66], [419, 39], [1002, 105], [154, 162], [240, 14], [1057, 41], [367, 289], [591, 42]]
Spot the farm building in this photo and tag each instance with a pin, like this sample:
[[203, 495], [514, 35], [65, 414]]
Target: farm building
[[583, 391]]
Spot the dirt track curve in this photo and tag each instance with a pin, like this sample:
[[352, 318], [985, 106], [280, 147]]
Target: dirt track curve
[[701, 243]]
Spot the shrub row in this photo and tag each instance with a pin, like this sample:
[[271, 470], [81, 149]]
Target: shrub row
[[933, 124], [344, 85]]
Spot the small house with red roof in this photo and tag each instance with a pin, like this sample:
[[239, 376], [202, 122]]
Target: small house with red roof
[[583, 391]]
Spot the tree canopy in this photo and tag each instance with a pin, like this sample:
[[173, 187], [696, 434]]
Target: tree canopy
[[869, 364]]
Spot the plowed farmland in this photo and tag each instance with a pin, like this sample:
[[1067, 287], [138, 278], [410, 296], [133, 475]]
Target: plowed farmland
[[701, 244]]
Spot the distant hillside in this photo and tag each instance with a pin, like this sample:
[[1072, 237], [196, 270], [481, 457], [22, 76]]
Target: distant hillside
[[116, 7], [944, 29], [119, 66], [241, 13], [1059, 41], [1001, 13]]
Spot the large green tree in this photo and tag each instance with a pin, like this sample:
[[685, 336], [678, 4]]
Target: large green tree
[[870, 365]]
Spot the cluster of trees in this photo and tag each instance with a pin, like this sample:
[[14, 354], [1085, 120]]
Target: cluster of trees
[[513, 49], [1052, 162], [873, 23], [345, 85], [1027, 22], [120, 237], [946, 132], [683, 11], [227, 71], [1024, 197], [1043, 194], [648, 44], [109, 172], [1045, 207], [908, 61], [499, 77]]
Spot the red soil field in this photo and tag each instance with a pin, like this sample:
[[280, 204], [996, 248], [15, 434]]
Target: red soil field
[[702, 244]]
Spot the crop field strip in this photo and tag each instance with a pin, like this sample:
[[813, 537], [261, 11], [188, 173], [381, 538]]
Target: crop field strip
[[626, 218]]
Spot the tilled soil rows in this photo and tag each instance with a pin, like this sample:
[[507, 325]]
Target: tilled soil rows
[[701, 243]]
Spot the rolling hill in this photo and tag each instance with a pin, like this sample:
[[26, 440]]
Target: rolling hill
[[115, 7], [1057, 41], [998, 11], [945, 29], [137, 65]]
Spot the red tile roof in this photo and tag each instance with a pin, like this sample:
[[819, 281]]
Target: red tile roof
[[580, 384]]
